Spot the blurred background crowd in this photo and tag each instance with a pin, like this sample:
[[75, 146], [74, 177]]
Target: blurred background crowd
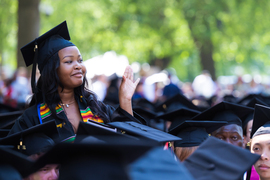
[[155, 85], [208, 50]]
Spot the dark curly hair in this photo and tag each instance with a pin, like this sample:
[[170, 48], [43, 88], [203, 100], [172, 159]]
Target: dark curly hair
[[47, 91]]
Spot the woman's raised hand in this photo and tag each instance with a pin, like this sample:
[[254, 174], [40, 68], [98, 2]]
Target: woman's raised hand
[[127, 89]]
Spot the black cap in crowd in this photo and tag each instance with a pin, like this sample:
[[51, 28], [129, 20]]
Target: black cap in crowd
[[145, 113], [150, 118], [36, 139], [145, 104], [158, 164], [8, 119], [93, 130], [40, 50], [216, 159], [225, 111], [252, 104], [193, 133], [261, 121], [245, 100], [96, 160], [4, 108], [4, 132], [13, 165], [178, 116], [176, 102], [140, 130]]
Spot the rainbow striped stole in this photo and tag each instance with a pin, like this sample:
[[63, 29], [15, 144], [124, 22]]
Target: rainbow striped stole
[[86, 114], [45, 111]]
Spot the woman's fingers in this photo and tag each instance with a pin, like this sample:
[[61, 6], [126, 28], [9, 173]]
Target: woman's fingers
[[126, 72], [130, 74], [136, 82], [123, 78]]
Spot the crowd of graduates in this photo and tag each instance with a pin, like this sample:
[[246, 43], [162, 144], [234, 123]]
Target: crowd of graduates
[[68, 133]]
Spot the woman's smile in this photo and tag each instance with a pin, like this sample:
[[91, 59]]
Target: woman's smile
[[78, 75]]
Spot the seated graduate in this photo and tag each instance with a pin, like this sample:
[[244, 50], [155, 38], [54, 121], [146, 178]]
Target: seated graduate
[[34, 142], [234, 115], [193, 133], [13, 165], [248, 122], [260, 142], [96, 157], [217, 160], [61, 92]]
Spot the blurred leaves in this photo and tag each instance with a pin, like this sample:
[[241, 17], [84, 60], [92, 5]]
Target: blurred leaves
[[150, 31], [8, 31]]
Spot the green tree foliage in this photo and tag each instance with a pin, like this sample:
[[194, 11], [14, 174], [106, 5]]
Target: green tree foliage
[[171, 33], [8, 32], [145, 31]]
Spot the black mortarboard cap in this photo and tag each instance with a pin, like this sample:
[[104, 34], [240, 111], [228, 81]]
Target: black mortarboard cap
[[216, 159], [245, 100], [193, 133], [202, 103], [225, 111], [13, 164], [101, 160], [8, 119], [33, 140], [140, 130], [255, 101], [158, 164], [4, 108], [95, 129], [4, 132], [176, 102], [40, 50], [178, 116], [149, 117], [261, 121], [145, 113], [145, 104], [252, 104], [230, 98], [121, 115]]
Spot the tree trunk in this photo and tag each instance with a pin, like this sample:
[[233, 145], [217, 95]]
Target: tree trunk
[[207, 61], [28, 25], [161, 63]]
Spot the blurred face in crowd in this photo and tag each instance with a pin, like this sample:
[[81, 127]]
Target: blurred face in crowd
[[184, 152], [261, 145], [71, 70], [248, 131], [231, 133], [49, 172]]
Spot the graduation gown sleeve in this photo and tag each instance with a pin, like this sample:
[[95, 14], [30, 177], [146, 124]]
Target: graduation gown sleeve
[[28, 119]]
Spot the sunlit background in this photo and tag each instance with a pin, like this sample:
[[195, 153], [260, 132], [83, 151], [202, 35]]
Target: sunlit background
[[228, 38]]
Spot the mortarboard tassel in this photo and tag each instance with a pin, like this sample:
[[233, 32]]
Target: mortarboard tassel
[[33, 76]]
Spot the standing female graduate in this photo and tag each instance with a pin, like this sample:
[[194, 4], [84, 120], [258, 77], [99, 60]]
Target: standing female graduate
[[61, 94]]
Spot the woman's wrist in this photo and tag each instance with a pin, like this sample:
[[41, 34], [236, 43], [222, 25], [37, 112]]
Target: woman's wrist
[[126, 105]]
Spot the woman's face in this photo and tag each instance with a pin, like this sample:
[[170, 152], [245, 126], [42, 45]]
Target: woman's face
[[261, 145], [71, 70]]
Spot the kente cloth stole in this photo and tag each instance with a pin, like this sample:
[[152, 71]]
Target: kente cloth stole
[[86, 114]]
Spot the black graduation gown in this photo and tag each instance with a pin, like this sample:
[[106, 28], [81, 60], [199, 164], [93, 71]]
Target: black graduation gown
[[31, 117]]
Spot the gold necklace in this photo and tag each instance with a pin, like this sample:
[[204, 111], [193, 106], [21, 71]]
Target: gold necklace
[[67, 105]]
